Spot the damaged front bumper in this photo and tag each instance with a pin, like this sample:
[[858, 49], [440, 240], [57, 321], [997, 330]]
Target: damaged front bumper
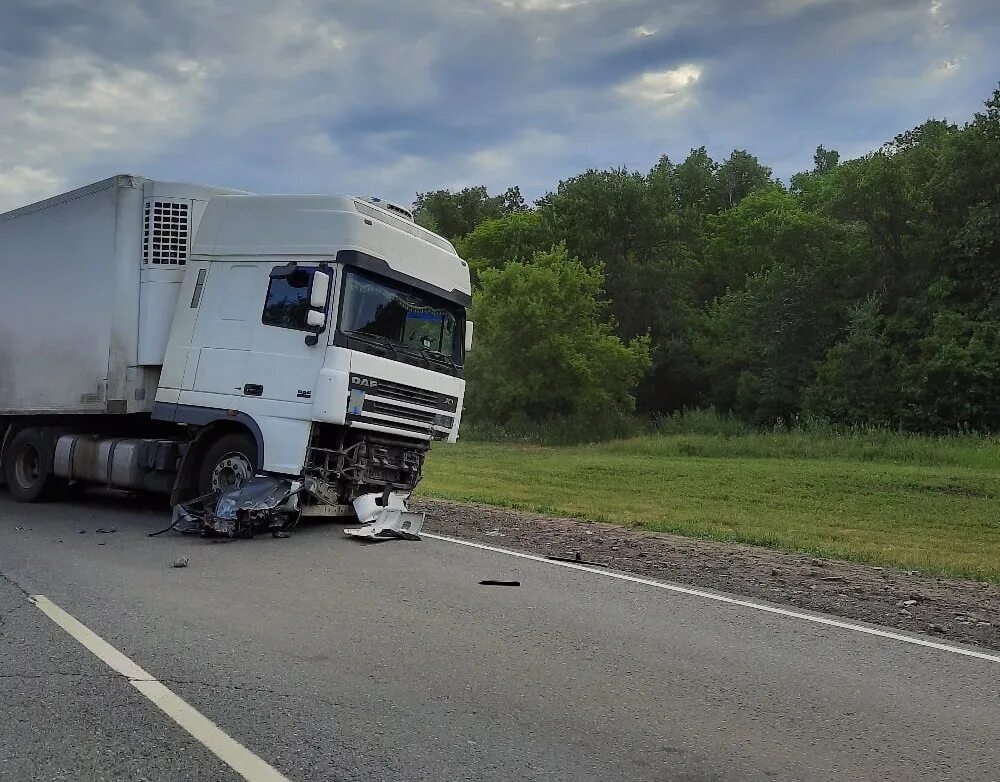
[[386, 516]]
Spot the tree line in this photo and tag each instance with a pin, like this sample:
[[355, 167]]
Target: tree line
[[863, 292]]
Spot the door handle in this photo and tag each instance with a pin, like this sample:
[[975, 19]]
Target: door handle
[[252, 389]]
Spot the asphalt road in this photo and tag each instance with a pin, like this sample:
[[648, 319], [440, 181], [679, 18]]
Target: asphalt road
[[331, 659]]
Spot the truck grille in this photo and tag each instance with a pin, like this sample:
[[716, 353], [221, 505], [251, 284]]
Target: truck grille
[[403, 393], [369, 402], [423, 416]]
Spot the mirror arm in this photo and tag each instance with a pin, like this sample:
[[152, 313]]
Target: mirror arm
[[284, 271]]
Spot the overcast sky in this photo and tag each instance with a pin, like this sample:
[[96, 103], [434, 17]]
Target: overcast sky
[[391, 98]]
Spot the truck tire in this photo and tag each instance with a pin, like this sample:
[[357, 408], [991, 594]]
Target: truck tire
[[230, 462], [28, 466]]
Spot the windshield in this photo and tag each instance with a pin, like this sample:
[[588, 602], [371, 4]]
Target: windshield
[[408, 318]]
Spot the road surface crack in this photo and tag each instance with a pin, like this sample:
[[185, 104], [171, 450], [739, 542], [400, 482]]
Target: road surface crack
[[13, 583], [253, 690], [48, 674]]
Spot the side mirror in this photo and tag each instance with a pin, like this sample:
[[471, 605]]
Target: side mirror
[[318, 293], [320, 290], [316, 319], [468, 336]]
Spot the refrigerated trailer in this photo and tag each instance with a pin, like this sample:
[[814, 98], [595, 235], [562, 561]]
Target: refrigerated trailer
[[176, 338]]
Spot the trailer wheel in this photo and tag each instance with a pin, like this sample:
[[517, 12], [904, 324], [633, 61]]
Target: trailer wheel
[[28, 466], [229, 463]]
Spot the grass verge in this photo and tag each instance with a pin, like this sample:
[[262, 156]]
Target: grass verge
[[929, 504]]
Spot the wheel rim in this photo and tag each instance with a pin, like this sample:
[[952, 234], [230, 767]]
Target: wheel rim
[[233, 471], [28, 466]]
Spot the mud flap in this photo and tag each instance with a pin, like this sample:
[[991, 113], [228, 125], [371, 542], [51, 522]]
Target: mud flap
[[389, 520]]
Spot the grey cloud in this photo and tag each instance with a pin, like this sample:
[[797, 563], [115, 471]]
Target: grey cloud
[[408, 96]]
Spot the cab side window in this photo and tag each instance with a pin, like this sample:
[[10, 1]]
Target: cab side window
[[287, 303]]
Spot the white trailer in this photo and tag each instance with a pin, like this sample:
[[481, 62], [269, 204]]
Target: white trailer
[[180, 338]]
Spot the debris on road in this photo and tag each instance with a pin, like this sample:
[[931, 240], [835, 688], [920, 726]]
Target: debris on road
[[182, 562], [775, 576], [269, 503], [496, 583], [265, 502], [576, 559], [385, 516], [105, 531]]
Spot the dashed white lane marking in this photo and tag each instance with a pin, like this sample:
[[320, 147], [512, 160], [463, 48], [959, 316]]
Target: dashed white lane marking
[[815, 618], [227, 749]]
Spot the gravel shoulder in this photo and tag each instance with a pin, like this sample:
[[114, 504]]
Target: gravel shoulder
[[952, 609]]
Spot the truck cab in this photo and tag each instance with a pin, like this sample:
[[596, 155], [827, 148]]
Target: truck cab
[[333, 327]]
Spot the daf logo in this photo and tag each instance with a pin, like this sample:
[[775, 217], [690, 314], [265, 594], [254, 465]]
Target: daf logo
[[364, 382]]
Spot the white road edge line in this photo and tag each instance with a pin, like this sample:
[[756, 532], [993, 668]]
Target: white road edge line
[[822, 620], [227, 749]]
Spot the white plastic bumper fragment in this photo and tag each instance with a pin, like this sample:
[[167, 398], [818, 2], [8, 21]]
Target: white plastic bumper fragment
[[391, 520]]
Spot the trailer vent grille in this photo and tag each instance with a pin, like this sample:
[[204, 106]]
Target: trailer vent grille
[[166, 232]]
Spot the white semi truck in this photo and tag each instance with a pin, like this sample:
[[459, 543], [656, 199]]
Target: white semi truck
[[169, 337]]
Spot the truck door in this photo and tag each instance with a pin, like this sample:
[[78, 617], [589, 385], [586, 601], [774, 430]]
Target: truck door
[[288, 346], [224, 331]]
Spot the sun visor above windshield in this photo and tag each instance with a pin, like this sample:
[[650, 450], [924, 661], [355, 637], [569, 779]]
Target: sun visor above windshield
[[370, 263]]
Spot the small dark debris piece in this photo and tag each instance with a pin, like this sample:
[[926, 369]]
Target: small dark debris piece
[[575, 559], [105, 531], [81, 532], [182, 562], [492, 582]]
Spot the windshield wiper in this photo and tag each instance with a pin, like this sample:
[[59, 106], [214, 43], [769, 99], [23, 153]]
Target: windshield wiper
[[426, 353], [443, 357], [378, 339]]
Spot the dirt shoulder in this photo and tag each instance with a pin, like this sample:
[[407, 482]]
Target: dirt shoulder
[[952, 609]]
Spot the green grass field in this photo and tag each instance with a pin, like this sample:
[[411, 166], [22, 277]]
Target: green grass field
[[931, 504]]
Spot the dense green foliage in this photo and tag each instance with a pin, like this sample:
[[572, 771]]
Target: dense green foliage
[[456, 214], [545, 349], [866, 292]]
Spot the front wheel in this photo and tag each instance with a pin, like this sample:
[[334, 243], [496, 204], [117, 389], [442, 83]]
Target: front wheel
[[229, 463], [28, 466]]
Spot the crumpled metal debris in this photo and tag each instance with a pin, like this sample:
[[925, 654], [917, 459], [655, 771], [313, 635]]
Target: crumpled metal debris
[[265, 502], [386, 516]]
